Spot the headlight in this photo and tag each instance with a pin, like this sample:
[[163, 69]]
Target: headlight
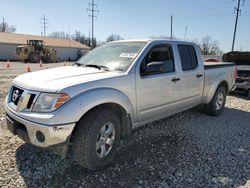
[[48, 102]]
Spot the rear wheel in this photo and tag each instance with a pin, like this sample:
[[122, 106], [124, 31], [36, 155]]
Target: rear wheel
[[52, 58], [216, 106], [34, 57], [96, 138]]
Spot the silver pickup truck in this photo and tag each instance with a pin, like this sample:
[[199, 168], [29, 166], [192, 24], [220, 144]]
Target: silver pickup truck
[[92, 106]]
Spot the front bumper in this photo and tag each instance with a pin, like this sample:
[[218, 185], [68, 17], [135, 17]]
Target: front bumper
[[53, 135]]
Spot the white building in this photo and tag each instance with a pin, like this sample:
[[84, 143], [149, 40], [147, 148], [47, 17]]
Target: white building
[[66, 49]]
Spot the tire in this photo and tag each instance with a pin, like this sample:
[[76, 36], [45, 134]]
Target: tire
[[248, 95], [216, 106], [34, 57], [52, 58], [87, 138]]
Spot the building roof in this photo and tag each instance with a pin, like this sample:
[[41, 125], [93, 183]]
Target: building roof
[[20, 39]]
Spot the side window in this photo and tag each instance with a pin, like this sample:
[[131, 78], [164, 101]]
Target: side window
[[159, 53], [188, 57]]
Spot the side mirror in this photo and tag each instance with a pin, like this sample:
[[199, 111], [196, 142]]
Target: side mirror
[[154, 67]]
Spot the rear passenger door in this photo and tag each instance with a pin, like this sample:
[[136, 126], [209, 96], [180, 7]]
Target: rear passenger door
[[192, 78]]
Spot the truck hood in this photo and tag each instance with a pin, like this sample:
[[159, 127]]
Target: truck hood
[[52, 80]]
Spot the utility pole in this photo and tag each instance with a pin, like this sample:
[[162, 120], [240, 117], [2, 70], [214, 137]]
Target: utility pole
[[171, 33], [44, 23], [4, 29], [89, 37], [69, 42], [77, 36], [69, 32], [92, 10], [185, 36], [238, 10]]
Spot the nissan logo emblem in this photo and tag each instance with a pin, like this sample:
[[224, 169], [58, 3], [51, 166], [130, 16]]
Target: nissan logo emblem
[[15, 95]]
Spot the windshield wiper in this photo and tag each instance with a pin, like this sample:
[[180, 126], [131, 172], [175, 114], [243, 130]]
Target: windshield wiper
[[98, 67], [78, 64], [92, 65]]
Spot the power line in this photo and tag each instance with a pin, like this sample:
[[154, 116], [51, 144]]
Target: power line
[[238, 11], [45, 23], [92, 10]]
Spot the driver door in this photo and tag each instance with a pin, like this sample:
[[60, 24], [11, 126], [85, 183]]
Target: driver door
[[157, 93]]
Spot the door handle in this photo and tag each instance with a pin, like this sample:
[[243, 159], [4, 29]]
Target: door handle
[[175, 79], [199, 75]]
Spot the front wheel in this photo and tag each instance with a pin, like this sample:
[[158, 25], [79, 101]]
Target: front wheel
[[216, 106], [96, 138], [34, 57]]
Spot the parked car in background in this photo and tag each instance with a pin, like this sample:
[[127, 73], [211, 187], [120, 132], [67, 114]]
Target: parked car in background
[[242, 61], [81, 53], [211, 60], [243, 79]]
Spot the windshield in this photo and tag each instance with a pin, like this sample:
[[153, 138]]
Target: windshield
[[117, 56]]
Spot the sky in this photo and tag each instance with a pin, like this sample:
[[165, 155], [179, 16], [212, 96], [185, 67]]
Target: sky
[[135, 19]]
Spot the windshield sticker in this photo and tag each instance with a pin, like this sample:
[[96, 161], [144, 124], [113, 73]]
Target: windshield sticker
[[128, 55]]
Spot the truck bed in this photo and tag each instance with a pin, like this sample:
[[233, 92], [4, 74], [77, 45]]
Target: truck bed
[[215, 72], [212, 65]]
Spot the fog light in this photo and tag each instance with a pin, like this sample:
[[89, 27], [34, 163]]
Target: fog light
[[40, 136]]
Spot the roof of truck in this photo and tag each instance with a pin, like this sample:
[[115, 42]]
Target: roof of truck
[[155, 40]]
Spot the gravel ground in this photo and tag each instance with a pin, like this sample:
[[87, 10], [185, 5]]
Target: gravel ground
[[189, 149]]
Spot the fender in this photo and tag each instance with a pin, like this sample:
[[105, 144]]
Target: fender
[[94, 97], [77, 106], [213, 89]]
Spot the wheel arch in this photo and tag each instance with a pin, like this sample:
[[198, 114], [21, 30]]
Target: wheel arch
[[225, 85], [111, 99], [125, 118], [214, 88]]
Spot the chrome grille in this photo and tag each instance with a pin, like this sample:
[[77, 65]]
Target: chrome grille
[[22, 100], [16, 94]]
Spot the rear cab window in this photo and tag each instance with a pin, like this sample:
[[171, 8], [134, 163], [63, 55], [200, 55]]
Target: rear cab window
[[188, 57]]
